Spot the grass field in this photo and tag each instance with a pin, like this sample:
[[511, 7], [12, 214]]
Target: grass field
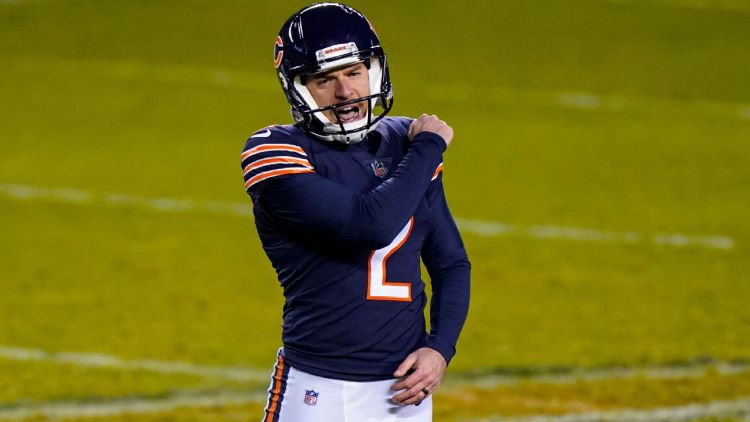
[[600, 171]]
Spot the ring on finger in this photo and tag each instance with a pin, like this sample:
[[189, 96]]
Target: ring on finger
[[425, 391]]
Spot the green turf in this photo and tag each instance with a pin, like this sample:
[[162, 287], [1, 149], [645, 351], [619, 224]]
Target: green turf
[[155, 99], [593, 396], [20, 383]]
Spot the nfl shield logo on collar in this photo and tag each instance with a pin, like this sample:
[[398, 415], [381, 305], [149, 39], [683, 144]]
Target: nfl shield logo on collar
[[311, 397]]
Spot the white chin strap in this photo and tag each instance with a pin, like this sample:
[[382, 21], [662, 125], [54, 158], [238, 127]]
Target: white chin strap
[[354, 130]]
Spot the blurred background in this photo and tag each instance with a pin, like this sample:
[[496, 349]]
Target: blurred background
[[600, 175]]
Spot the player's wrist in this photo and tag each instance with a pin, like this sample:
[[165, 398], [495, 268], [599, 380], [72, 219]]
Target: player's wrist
[[431, 137], [447, 351]]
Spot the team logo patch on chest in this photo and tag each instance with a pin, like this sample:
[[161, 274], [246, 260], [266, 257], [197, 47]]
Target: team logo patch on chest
[[378, 167], [311, 397]]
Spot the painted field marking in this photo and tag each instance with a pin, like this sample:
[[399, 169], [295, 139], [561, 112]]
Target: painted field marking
[[588, 101], [457, 381], [135, 71], [491, 228], [733, 5], [98, 360], [158, 204], [453, 381], [716, 409], [579, 100], [478, 227], [739, 408], [103, 408]]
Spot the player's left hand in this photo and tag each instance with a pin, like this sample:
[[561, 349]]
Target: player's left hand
[[429, 368]]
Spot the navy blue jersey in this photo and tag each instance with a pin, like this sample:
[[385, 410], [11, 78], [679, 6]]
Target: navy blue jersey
[[345, 226]]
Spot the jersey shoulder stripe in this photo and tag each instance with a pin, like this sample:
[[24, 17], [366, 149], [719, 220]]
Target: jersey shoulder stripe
[[276, 160], [271, 152], [273, 173], [273, 147]]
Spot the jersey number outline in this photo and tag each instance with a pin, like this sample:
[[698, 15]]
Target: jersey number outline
[[377, 286]]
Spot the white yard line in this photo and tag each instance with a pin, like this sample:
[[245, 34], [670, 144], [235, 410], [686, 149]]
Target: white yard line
[[98, 360], [588, 101], [579, 100], [478, 227], [739, 408], [158, 204], [550, 376], [126, 70], [492, 228], [454, 380], [716, 409], [103, 408], [730, 5]]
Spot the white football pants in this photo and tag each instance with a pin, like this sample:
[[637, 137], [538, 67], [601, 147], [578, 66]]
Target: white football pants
[[296, 396]]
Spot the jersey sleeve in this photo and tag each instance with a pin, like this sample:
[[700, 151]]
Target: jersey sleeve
[[265, 157], [446, 261], [312, 207]]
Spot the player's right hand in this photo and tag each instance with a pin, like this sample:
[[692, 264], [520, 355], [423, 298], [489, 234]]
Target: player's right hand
[[431, 123]]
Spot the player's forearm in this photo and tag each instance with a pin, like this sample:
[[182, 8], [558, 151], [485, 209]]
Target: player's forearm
[[449, 307], [378, 215]]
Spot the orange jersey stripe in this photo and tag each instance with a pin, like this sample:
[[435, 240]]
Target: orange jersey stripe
[[273, 173], [276, 160], [437, 171], [276, 389], [273, 147]]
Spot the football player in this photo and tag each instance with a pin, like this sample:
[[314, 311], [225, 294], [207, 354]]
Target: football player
[[346, 202]]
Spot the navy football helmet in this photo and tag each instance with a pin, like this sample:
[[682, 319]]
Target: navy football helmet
[[322, 37]]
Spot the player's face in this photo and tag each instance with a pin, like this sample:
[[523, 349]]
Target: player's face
[[339, 85]]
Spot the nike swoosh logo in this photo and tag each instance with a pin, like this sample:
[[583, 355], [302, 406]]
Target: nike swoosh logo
[[265, 134]]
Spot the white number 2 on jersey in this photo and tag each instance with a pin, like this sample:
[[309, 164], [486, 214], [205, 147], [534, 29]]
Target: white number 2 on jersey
[[377, 286]]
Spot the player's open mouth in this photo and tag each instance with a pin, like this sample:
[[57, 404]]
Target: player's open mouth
[[348, 114]]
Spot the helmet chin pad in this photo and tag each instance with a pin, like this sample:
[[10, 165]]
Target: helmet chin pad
[[348, 132]]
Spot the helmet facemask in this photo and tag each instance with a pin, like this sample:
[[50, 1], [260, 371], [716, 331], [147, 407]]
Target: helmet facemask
[[314, 119]]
